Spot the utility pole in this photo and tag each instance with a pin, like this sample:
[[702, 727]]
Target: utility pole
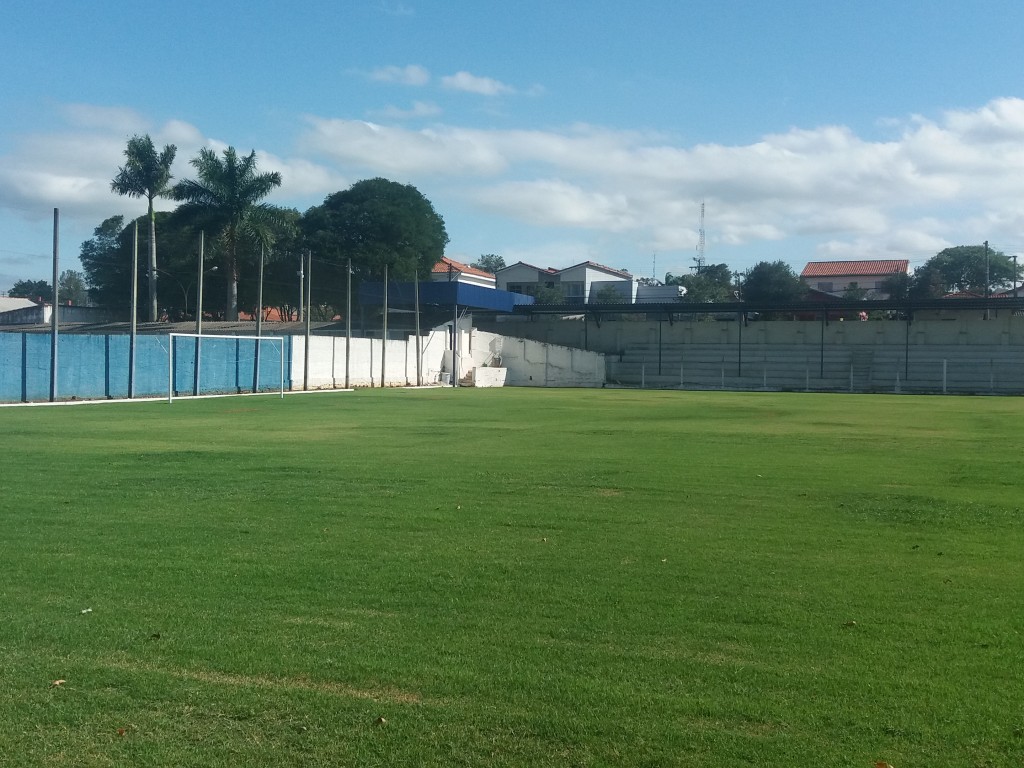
[[987, 281], [302, 284]]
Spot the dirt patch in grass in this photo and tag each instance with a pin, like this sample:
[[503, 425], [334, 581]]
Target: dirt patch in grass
[[386, 695]]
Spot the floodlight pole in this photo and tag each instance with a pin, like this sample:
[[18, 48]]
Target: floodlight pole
[[54, 324], [134, 324]]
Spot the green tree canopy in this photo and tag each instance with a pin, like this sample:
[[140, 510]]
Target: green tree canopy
[[772, 281], [37, 290], [374, 223], [489, 262], [146, 173], [225, 200], [71, 288], [712, 283], [963, 268], [107, 262]]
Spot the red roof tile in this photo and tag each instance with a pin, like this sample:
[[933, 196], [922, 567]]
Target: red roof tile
[[877, 268], [443, 266]]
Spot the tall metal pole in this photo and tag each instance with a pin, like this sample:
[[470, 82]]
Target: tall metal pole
[[348, 323], [54, 324], [259, 324], [987, 281], [302, 285], [384, 339], [455, 349], [309, 293], [134, 322], [419, 348], [199, 312]]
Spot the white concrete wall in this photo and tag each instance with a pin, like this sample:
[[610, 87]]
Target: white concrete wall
[[535, 364], [327, 361], [527, 363]]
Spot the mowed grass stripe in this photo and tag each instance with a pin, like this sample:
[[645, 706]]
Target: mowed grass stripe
[[514, 577]]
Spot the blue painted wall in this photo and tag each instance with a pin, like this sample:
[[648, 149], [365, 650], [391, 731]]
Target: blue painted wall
[[96, 367]]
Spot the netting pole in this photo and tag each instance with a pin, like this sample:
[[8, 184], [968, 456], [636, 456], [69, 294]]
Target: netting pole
[[259, 324], [134, 330], [54, 321], [199, 314], [170, 368]]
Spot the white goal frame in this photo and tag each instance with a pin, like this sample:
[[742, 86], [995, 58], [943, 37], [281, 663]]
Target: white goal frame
[[199, 342]]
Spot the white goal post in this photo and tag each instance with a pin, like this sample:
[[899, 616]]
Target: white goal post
[[197, 375]]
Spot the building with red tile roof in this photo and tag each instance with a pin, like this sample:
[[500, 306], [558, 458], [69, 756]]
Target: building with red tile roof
[[450, 270], [838, 277]]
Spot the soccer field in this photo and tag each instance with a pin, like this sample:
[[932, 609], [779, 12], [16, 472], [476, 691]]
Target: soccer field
[[514, 577]]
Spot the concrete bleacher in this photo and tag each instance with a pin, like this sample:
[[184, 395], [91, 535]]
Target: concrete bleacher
[[977, 369]]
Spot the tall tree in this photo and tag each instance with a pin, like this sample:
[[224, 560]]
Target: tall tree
[[146, 173], [225, 201], [712, 282], [772, 281], [964, 268], [489, 262], [72, 288], [37, 290], [377, 223]]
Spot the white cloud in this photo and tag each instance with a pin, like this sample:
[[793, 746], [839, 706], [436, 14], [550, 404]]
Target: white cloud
[[412, 74], [419, 109], [557, 203], [819, 192], [386, 149], [485, 86]]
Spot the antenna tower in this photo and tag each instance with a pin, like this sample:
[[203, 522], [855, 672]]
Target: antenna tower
[[700, 241]]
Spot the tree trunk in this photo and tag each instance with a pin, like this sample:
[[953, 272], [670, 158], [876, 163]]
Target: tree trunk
[[153, 308]]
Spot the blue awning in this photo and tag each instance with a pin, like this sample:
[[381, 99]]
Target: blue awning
[[446, 294]]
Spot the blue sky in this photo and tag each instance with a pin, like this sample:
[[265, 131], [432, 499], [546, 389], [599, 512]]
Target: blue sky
[[544, 132]]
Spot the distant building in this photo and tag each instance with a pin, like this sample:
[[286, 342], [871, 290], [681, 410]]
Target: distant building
[[839, 277], [450, 270], [577, 284]]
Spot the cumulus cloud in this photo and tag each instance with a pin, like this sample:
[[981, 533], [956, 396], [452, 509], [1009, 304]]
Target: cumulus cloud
[[387, 149], [412, 74], [419, 109], [930, 183], [485, 86]]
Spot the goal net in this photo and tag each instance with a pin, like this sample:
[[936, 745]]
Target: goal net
[[198, 364]]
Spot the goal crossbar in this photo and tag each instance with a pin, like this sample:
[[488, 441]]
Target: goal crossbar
[[198, 337]]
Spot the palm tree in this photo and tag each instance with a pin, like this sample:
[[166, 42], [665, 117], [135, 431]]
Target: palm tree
[[146, 174], [225, 201]]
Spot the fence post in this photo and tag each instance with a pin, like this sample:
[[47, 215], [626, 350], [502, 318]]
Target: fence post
[[943, 377], [643, 375]]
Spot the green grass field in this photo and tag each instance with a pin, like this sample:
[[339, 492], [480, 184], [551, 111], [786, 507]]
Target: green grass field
[[514, 578]]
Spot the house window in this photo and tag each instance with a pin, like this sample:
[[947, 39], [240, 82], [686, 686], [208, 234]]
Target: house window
[[825, 287], [515, 287]]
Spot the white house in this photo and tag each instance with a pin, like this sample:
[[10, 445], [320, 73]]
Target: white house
[[450, 270], [578, 284]]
